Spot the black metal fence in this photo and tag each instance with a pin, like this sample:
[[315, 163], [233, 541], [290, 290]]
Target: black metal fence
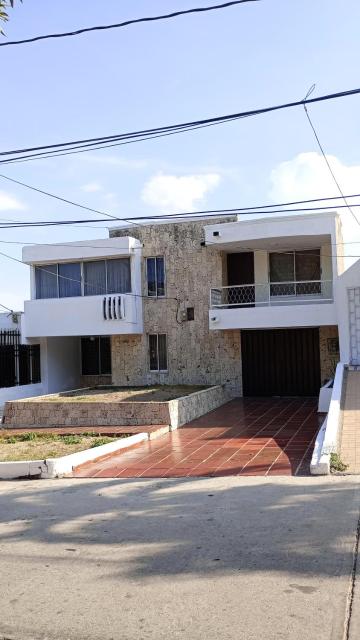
[[19, 363]]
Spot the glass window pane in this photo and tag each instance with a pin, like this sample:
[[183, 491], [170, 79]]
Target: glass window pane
[[162, 352], [118, 276], [94, 278], [160, 276], [69, 280], [282, 267], [90, 356], [282, 270], [307, 265], [151, 276], [46, 281], [105, 355], [153, 353]]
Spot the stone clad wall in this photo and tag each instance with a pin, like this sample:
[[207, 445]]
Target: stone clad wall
[[174, 413], [196, 355]]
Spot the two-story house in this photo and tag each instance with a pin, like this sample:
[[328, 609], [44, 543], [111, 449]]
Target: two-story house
[[251, 304]]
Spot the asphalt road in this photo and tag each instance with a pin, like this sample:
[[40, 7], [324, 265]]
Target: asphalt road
[[209, 558]]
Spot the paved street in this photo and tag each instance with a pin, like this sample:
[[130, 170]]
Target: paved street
[[230, 558]]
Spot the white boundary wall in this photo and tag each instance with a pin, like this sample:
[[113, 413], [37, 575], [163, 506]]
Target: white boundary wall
[[327, 441]]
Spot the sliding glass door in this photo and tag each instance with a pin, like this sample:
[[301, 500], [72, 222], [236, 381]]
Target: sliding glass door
[[295, 273]]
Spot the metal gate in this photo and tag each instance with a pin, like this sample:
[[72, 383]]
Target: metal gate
[[281, 362], [19, 363]]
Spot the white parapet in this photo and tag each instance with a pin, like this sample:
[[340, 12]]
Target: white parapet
[[327, 440]]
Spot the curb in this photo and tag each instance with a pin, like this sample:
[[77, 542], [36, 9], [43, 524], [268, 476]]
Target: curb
[[58, 467]]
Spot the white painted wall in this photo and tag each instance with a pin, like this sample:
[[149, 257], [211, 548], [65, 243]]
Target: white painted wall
[[82, 316], [275, 228], [60, 364], [82, 250], [305, 315], [22, 391], [350, 279], [7, 321]]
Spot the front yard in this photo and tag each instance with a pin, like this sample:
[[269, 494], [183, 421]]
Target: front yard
[[39, 446], [156, 393]]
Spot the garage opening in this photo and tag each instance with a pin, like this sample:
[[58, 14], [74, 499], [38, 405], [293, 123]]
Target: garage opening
[[281, 362]]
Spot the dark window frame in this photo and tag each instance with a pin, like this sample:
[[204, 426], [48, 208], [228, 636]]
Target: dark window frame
[[158, 288], [293, 286], [103, 344], [157, 355]]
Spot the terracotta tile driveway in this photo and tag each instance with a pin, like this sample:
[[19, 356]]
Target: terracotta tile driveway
[[250, 436]]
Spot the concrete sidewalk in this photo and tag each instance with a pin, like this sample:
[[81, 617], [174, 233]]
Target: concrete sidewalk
[[226, 558]]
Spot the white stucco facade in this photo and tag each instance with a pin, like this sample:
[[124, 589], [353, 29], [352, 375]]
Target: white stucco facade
[[263, 236], [195, 257], [84, 315]]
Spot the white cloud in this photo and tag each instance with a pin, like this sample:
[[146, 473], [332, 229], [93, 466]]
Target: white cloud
[[9, 203], [307, 176], [172, 194], [92, 187]]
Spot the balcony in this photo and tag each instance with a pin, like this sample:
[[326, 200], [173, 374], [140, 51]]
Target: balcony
[[80, 316], [272, 304]]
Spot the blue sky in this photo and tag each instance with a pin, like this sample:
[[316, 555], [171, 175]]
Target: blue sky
[[149, 75]]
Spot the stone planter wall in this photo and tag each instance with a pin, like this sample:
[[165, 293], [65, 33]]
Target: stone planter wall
[[42, 413]]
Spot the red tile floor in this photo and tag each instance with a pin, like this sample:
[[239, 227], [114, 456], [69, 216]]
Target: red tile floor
[[250, 436]]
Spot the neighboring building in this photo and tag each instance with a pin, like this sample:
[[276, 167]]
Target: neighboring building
[[19, 363], [252, 304]]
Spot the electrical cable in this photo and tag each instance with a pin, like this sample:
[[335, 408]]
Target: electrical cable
[[169, 216], [172, 128], [127, 23], [327, 161], [183, 216]]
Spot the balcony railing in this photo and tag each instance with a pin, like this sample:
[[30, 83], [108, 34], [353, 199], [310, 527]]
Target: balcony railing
[[272, 293]]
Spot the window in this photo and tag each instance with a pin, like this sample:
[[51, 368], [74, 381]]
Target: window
[[300, 271], [69, 274], [46, 281], [118, 276], [94, 278], [158, 352], [155, 273], [95, 356], [64, 280]]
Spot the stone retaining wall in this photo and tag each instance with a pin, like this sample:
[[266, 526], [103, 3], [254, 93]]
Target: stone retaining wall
[[35, 414]]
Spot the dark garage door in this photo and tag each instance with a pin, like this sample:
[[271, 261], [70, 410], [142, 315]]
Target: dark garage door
[[281, 362]]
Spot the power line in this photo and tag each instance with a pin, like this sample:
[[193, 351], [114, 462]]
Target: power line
[[92, 143], [86, 147], [329, 165], [176, 216], [132, 220], [83, 282], [56, 197], [5, 307], [141, 248], [58, 275], [127, 23]]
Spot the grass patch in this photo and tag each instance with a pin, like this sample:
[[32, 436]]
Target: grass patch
[[336, 464], [38, 446], [156, 393]]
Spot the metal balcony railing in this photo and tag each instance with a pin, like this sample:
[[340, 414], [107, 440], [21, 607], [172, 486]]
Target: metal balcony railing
[[272, 293]]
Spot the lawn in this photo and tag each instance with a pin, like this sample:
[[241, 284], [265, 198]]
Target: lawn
[[38, 446], [156, 393]]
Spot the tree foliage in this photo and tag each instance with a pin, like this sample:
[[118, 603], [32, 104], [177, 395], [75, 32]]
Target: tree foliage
[[4, 5]]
